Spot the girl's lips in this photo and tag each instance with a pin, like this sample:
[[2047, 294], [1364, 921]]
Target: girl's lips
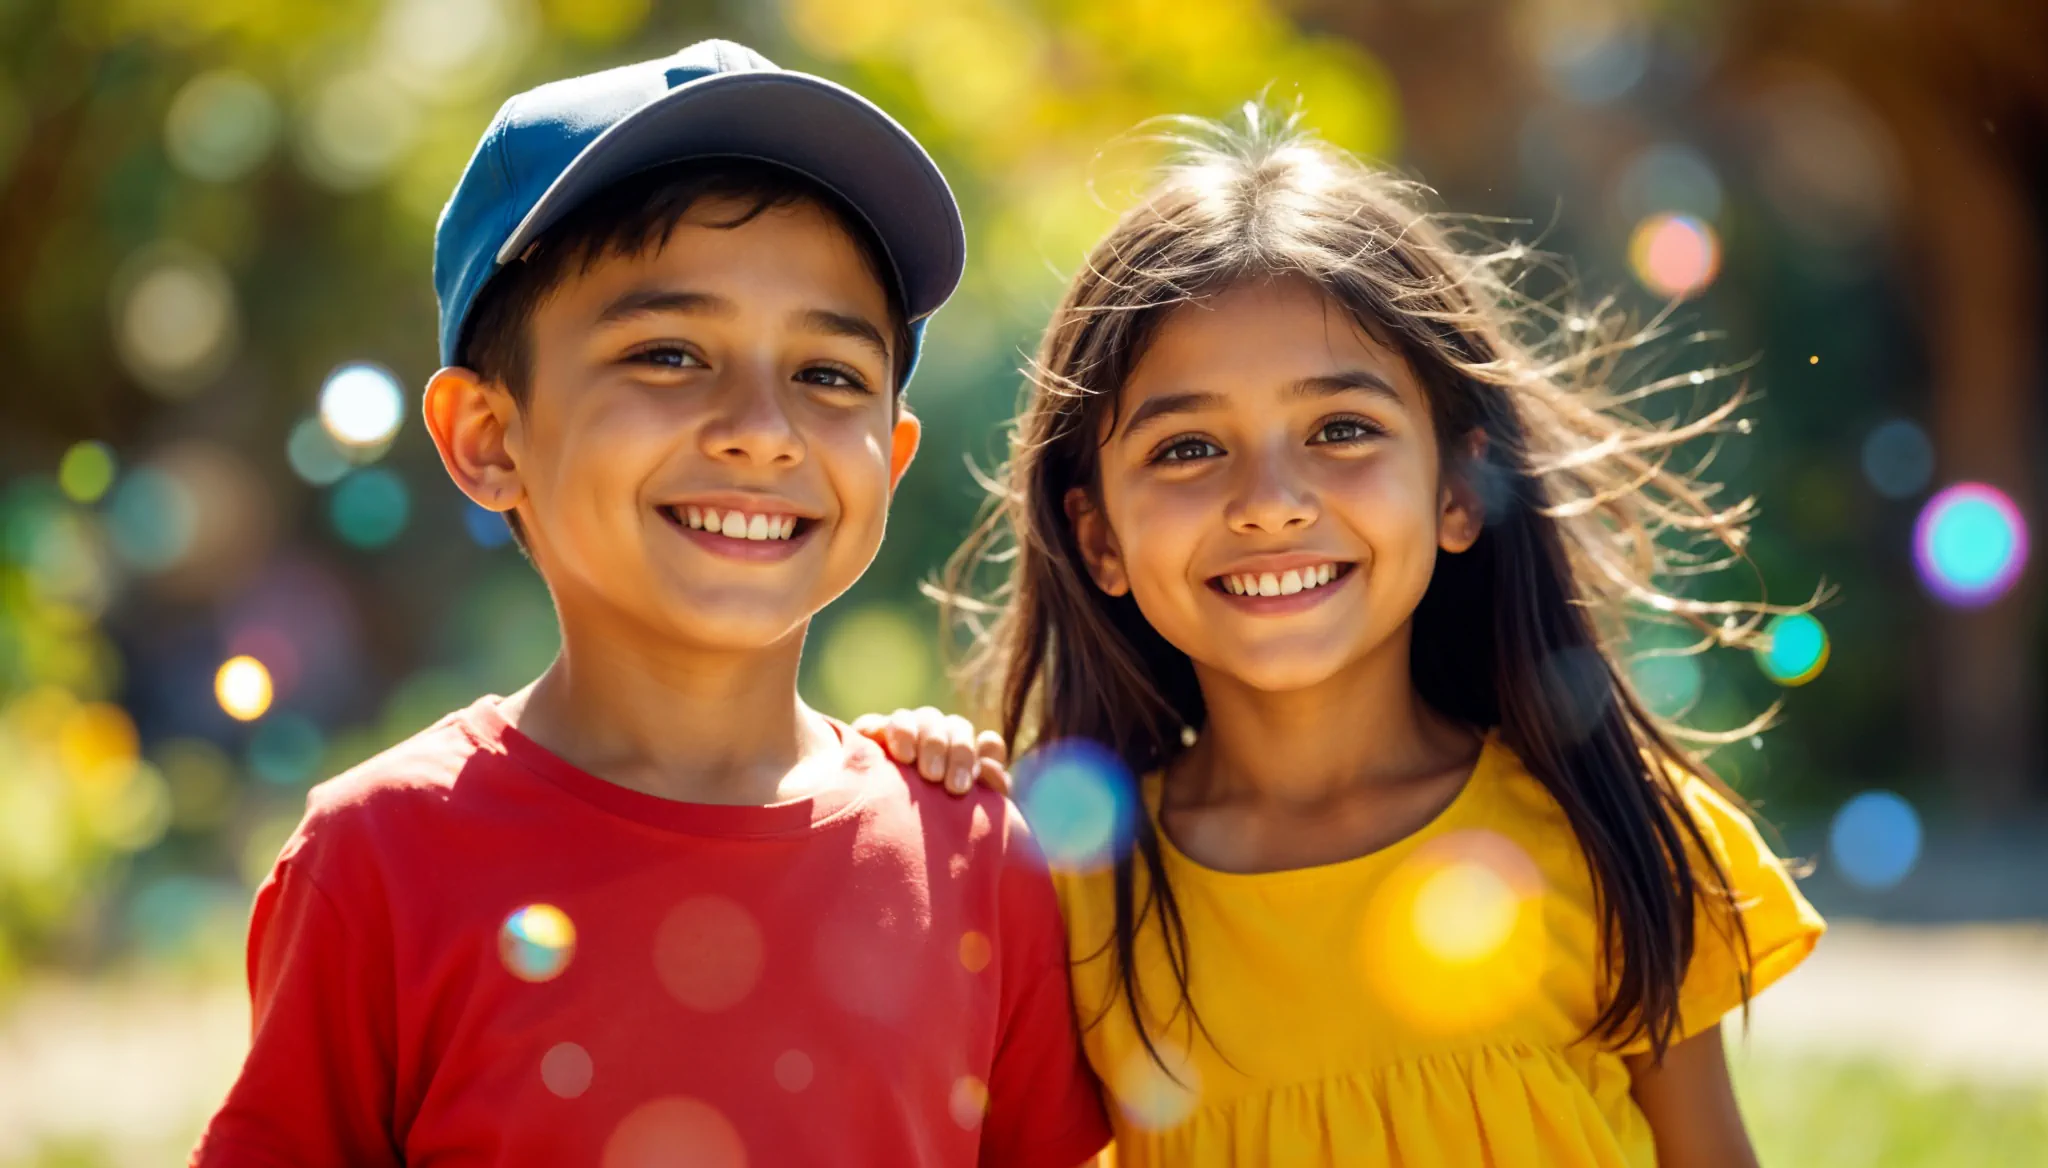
[[1285, 603]]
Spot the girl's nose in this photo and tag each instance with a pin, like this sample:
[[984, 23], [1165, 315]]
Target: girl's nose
[[1272, 499], [752, 425]]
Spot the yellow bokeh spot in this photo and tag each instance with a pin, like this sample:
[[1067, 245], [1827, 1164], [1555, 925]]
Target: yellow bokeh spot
[[875, 659], [1454, 941], [547, 926], [243, 688], [838, 30], [975, 951], [86, 471], [97, 744]]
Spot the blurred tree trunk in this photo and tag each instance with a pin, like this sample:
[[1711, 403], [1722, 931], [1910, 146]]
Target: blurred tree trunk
[[1963, 88]]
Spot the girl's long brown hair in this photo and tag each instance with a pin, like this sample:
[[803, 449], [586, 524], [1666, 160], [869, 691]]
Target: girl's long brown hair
[[1591, 522]]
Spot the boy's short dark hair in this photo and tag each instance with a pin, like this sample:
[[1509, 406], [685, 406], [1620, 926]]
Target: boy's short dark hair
[[632, 218]]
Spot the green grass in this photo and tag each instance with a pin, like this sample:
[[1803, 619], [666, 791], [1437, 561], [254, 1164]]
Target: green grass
[[1809, 1113]]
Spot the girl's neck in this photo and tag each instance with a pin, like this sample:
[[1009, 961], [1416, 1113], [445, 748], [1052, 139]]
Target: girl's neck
[[1363, 727]]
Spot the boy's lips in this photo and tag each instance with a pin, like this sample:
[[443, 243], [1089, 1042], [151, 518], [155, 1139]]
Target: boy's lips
[[741, 529]]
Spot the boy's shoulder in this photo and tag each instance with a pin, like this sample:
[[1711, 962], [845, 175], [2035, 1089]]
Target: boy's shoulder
[[977, 829], [404, 789]]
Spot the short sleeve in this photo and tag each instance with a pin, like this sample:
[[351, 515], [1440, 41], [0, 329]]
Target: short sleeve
[[1044, 1104], [1781, 927], [316, 1086]]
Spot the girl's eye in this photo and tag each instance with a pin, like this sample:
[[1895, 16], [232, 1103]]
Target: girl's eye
[[1188, 449], [667, 357], [1338, 431], [832, 377]]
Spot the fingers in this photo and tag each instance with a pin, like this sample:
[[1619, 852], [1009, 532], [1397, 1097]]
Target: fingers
[[931, 743], [962, 757], [992, 762]]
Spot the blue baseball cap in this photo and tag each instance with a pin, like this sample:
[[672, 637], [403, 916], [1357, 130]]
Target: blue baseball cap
[[550, 148]]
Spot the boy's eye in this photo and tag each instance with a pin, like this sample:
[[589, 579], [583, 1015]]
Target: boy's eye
[[667, 356], [1337, 431], [832, 377], [1188, 449]]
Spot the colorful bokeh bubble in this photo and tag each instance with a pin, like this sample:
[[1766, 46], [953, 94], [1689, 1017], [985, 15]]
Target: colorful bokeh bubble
[[566, 1070], [86, 471], [1454, 941], [242, 686], [536, 942], [1795, 649], [1674, 255], [314, 454], [361, 405], [1875, 839], [708, 953], [968, 1102], [1152, 1096], [1970, 544], [369, 508], [1898, 459], [286, 749], [1080, 801], [486, 528], [675, 1130]]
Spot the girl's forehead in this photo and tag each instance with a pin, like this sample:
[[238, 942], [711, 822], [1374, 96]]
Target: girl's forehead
[[1266, 335]]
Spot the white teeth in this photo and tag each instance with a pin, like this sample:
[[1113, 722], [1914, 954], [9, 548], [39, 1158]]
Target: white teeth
[[737, 524], [1279, 584]]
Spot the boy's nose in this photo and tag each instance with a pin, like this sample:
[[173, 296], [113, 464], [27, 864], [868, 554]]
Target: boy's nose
[[1271, 499], [753, 427]]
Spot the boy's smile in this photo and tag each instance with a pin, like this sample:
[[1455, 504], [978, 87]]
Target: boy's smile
[[711, 436]]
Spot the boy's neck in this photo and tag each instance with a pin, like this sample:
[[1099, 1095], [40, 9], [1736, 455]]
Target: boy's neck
[[682, 723]]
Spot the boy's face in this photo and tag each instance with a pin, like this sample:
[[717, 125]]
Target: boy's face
[[709, 443]]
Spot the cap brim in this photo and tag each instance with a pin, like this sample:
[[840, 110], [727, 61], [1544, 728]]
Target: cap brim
[[822, 130]]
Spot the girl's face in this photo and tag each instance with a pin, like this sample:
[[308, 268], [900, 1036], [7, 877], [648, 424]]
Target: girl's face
[[1270, 491]]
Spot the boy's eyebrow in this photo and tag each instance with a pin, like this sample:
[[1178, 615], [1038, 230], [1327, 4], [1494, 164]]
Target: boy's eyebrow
[[643, 301], [845, 324]]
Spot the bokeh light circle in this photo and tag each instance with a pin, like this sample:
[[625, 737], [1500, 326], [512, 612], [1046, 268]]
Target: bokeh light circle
[[220, 126], [361, 404], [370, 508], [1152, 1096], [793, 1071], [968, 1102], [314, 454], [85, 473], [152, 519], [285, 750], [672, 1132], [536, 942], [975, 951], [1454, 940], [708, 953], [242, 686], [1898, 460], [1674, 254], [1795, 649], [1970, 544], [1875, 839], [176, 325], [486, 528], [566, 1070], [1079, 799]]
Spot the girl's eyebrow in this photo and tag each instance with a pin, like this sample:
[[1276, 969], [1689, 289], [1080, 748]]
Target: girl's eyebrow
[[1165, 404], [1323, 385]]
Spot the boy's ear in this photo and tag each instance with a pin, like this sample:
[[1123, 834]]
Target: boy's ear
[[1099, 546], [476, 429], [1461, 506], [903, 445]]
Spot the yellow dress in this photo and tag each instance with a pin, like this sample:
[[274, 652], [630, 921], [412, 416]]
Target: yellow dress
[[1420, 1006]]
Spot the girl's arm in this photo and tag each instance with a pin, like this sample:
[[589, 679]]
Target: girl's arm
[[1691, 1106]]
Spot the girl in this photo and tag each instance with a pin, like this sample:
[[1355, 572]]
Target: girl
[[1331, 536]]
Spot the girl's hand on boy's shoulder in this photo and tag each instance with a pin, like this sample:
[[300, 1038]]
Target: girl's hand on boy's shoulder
[[943, 748]]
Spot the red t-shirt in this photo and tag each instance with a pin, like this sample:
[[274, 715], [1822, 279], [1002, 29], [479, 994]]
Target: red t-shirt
[[474, 953]]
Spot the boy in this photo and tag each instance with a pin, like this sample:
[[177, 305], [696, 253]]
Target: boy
[[653, 910]]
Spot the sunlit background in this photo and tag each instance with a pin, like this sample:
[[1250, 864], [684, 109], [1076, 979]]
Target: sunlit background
[[230, 565]]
